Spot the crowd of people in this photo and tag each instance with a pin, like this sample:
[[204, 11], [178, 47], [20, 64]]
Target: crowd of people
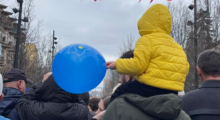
[[151, 77]]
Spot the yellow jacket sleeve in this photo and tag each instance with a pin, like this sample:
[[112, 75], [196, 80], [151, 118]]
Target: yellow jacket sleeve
[[137, 65]]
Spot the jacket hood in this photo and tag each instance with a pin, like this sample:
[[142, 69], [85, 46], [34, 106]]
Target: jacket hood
[[54, 93], [156, 19], [11, 96], [161, 106]]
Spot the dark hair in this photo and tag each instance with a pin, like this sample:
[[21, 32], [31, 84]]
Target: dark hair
[[51, 92], [106, 101], [128, 54], [94, 104], [209, 62], [85, 97]]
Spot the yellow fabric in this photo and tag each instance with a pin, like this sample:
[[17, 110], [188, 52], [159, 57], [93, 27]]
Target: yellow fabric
[[158, 60]]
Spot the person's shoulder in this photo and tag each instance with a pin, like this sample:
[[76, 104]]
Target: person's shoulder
[[92, 113], [183, 116], [118, 103], [118, 100], [10, 92], [191, 95]]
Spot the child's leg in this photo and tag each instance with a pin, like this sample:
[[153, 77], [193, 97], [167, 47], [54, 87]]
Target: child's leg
[[128, 87], [135, 87]]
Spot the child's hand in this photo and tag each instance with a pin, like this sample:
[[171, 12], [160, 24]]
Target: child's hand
[[111, 65]]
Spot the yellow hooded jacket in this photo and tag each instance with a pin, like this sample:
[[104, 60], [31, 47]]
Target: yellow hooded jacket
[[158, 60]]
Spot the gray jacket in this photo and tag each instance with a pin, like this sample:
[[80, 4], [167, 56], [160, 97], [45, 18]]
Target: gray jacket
[[135, 107]]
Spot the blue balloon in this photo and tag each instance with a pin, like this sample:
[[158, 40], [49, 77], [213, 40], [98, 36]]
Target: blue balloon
[[78, 68]]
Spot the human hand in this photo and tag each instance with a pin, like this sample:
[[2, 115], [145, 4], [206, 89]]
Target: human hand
[[111, 65], [46, 76], [99, 116]]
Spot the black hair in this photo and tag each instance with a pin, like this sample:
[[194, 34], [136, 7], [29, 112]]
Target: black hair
[[128, 54], [85, 97], [94, 104], [209, 62]]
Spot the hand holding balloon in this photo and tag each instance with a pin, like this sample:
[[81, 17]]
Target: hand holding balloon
[[111, 65]]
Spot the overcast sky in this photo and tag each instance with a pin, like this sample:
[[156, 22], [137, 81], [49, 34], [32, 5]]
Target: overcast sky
[[101, 24]]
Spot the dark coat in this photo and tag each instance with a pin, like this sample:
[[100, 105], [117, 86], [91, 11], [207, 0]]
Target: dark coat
[[47, 101], [135, 87], [203, 103], [92, 114], [135, 107], [7, 104]]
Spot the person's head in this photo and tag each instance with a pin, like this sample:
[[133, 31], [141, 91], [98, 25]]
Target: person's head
[[103, 103], [209, 65], [125, 78], [51, 92], [127, 54], [1, 87], [16, 78], [85, 97], [93, 104]]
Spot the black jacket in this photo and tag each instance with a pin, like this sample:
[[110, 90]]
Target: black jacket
[[47, 101], [138, 88], [203, 103], [7, 104], [92, 114]]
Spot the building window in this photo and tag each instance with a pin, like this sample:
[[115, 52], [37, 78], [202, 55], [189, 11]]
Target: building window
[[3, 36]]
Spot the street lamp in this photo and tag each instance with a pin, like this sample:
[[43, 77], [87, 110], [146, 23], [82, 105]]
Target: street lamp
[[15, 10], [191, 7], [54, 42], [190, 23], [20, 1], [25, 19]]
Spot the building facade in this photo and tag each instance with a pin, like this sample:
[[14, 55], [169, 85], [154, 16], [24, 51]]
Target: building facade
[[8, 32], [31, 52]]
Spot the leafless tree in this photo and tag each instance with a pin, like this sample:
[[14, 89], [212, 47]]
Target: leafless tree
[[180, 17], [112, 76], [110, 81], [34, 56], [214, 6], [207, 34], [127, 44]]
